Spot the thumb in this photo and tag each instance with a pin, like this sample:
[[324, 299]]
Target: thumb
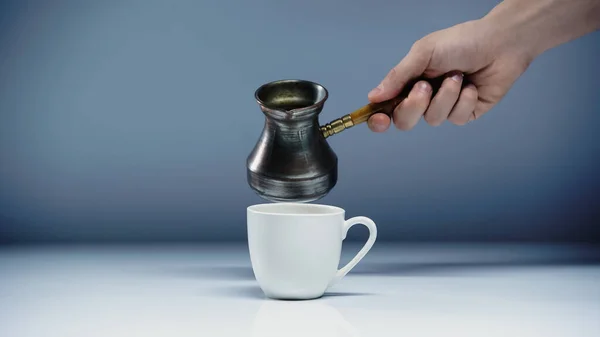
[[412, 65]]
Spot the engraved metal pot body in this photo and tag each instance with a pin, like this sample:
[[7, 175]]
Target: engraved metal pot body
[[292, 161]]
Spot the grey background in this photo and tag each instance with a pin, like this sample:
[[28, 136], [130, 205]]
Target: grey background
[[132, 120]]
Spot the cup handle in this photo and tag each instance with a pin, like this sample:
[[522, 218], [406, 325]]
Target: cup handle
[[363, 251]]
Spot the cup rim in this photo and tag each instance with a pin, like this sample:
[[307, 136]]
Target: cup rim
[[332, 210], [308, 110]]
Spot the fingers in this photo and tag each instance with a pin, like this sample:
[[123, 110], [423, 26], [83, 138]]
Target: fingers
[[408, 113], [464, 110], [444, 100], [449, 103], [379, 122], [412, 66]]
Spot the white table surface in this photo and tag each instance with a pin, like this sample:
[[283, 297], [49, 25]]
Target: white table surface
[[209, 290]]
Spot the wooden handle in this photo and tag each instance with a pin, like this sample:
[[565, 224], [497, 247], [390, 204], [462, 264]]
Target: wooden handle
[[387, 107], [362, 115]]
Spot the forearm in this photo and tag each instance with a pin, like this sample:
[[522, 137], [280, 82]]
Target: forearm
[[539, 25]]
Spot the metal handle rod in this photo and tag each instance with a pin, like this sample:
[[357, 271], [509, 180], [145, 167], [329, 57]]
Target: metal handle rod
[[359, 116]]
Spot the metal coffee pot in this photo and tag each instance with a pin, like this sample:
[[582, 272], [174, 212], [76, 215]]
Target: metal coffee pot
[[292, 161]]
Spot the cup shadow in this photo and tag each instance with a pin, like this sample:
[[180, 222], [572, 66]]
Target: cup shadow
[[464, 264], [449, 268], [255, 293]]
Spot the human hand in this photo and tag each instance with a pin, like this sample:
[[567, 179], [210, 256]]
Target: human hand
[[478, 60], [477, 64]]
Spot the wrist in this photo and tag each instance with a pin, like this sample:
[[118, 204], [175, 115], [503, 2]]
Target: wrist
[[533, 27], [514, 30]]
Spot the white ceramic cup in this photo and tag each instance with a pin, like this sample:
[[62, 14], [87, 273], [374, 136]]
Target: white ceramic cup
[[295, 248]]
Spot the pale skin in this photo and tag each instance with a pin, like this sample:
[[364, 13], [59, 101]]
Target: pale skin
[[480, 60]]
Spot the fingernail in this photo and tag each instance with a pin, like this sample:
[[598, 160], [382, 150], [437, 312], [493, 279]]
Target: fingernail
[[457, 77], [424, 87], [375, 91], [381, 127], [378, 128], [472, 117], [372, 126]]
